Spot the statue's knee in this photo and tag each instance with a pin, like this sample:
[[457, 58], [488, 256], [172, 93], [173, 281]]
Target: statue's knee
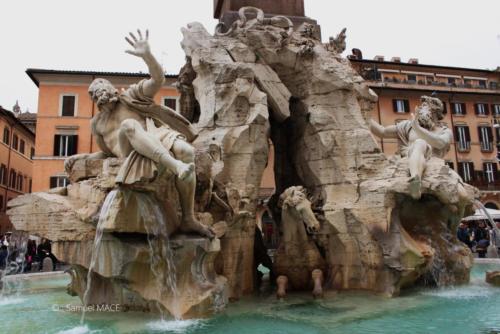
[[128, 126], [188, 152], [420, 143], [184, 152]]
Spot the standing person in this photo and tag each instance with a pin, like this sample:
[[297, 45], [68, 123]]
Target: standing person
[[495, 236], [30, 254], [481, 237], [463, 234], [4, 253]]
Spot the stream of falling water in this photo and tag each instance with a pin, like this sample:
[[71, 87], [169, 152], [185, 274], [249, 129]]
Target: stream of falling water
[[481, 207], [162, 263], [103, 215]]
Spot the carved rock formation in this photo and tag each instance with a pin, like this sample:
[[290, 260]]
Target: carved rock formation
[[373, 236], [261, 81], [493, 277], [133, 237]]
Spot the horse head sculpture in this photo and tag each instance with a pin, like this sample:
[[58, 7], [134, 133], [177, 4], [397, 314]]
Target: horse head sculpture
[[295, 206]]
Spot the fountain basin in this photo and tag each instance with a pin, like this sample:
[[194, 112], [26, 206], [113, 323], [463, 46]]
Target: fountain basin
[[470, 308]]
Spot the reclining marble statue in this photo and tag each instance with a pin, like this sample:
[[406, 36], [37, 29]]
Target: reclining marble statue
[[151, 138], [419, 139]]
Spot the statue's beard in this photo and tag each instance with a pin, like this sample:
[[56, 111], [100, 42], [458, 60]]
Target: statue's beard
[[106, 98], [426, 121]]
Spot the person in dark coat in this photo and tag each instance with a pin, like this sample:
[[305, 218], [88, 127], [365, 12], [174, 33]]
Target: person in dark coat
[[463, 234], [482, 238], [4, 252], [45, 250]]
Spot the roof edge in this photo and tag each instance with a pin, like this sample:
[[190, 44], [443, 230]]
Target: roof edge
[[32, 71], [371, 61]]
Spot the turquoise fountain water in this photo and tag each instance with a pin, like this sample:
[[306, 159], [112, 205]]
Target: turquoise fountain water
[[473, 308]]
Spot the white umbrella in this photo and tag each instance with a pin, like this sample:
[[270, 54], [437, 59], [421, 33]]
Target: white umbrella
[[480, 215]]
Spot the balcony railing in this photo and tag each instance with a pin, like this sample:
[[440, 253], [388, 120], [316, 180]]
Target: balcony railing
[[486, 146], [463, 146], [483, 184], [376, 77]]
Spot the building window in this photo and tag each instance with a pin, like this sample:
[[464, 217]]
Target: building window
[[170, 102], [462, 137], [32, 152], [490, 171], [6, 136], [481, 109], [3, 174], [452, 81], [1, 203], [15, 142], [458, 108], [400, 106], [450, 164], [65, 145], [466, 171], [21, 146], [19, 182], [30, 185], [485, 138], [58, 181], [482, 83], [68, 105], [496, 109], [412, 78], [12, 179]]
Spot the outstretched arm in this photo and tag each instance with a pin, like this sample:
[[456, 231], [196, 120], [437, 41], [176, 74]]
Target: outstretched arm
[[141, 49], [438, 141], [383, 131], [69, 162]]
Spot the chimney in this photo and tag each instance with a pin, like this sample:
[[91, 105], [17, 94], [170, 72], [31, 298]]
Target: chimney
[[413, 61], [396, 59], [379, 58]]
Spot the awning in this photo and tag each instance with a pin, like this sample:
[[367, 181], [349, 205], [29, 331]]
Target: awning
[[480, 215]]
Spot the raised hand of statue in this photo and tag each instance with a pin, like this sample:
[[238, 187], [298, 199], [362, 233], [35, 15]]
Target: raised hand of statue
[[140, 45], [414, 122], [70, 161]]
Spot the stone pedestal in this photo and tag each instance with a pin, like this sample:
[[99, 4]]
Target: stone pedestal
[[124, 274], [138, 259]]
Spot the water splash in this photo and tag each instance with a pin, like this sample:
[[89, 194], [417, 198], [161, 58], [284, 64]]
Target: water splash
[[76, 330], [481, 207], [176, 326], [103, 216], [11, 301]]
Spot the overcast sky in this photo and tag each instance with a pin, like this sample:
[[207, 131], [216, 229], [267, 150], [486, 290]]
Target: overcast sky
[[89, 34]]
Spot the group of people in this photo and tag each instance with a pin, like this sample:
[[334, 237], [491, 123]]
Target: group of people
[[480, 238], [18, 255]]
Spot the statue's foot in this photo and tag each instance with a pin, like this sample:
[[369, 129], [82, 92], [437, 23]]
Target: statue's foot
[[194, 226], [185, 170], [415, 187]]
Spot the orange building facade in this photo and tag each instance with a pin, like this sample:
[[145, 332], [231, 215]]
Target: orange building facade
[[64, 113], [17, 144], [472, 104], [471, 98]]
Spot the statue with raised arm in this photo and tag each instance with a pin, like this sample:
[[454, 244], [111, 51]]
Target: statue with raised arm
[[151, 138], [419, 138]]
